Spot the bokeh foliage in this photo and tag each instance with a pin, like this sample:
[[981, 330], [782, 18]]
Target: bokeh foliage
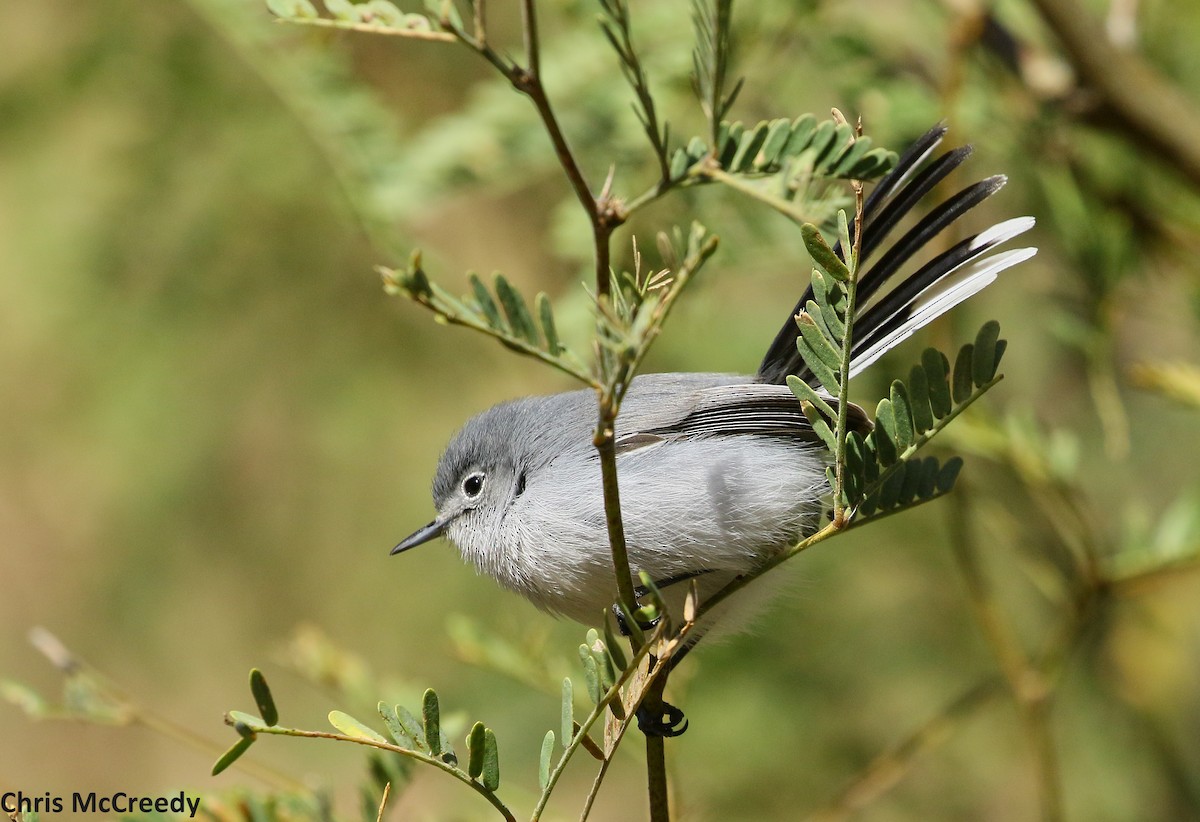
[[217, 424]]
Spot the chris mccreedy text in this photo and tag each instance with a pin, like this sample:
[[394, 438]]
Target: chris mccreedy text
[[12, 802]]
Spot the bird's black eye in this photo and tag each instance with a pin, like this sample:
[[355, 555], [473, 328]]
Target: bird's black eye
[[473, 484]]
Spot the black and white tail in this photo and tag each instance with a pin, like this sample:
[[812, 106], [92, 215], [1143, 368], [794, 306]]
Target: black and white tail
[[889, 317]]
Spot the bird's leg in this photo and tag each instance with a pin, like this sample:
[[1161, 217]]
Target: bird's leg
[[641, 591], [666, 720]]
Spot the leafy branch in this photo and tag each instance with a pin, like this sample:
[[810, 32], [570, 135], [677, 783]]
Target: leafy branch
[[875, 470], [374, 16], [774, 161], [617, 26], [633, 319], [423, 741], [712, 21], [615, 686], [505, 315]]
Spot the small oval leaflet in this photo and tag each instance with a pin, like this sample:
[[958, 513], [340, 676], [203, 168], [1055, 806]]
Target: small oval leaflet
[[263, 698], [351, 727]]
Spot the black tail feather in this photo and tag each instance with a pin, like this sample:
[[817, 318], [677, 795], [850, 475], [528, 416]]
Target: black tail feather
[[930, 226], [895, 196]]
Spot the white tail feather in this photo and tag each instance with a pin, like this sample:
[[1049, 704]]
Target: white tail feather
[[972, 279]]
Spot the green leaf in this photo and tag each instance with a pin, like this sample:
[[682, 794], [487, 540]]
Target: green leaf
[[885, 419], [395, 727], [901, 415], [927, 486], [263, 698], [604, 664], [385, 13], [491, 761], [963, 373], [826, 158], [852, 487], [822, 254], [411, 727], [818, 353], [869, 505], [631, 624], [591, 673], [343, 9], [231, 755], [748, 148], [936, 370], [948, 474], [885, 446], [431, 716], [855, 452], [546, 315], [918, 399], [834, 314], [516, 311], [24, 697], [889, 494], [819, 425], [252, 723], [985, 361], [475, 750], [878, 161], [802, 131], [912, 481], [568, 710], [853, 476], [844, 233], [293, 9], [485, 302], [613, 643], [844, 164], [544, 760], [778, 134], [870, 457], [652, 591], [730, 143], [813, 310], [806, 393], [351, 727], [822, 139], [680, 163]]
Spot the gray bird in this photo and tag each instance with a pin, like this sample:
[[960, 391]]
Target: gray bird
[[717, 472]]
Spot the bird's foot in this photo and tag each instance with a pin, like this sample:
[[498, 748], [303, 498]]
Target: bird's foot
[[666, 721]]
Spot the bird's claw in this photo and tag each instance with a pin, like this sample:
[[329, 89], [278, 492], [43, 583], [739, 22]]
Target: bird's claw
[[665, 722]]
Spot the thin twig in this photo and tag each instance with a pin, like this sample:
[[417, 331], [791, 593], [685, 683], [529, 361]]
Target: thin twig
[[740, 184], [840, 514], [387, 791], [656, 755], [533, 59], [461, 776], [606, 447], [479, 17], [613, 693]]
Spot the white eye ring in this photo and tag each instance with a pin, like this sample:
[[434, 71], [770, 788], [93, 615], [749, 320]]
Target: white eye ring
[[473, 484]]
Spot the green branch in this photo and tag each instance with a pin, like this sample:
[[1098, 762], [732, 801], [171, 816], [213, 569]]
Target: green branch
[[256, 727]]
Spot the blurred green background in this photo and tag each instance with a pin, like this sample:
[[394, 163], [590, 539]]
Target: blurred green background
[[216, 424]]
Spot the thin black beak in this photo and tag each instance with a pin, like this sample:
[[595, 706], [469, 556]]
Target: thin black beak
[[422, 535]]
